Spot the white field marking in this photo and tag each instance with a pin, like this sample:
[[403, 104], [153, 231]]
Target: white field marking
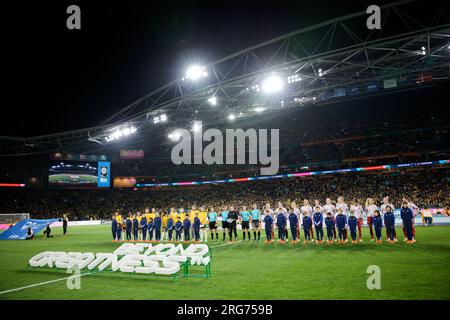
[[85, 274], [43, 283], [225, 244]]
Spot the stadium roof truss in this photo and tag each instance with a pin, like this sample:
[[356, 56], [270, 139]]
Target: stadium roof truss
[[336, 59]]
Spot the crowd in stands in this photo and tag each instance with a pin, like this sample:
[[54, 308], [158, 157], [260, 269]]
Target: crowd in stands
[[426, 187], [321, 138]]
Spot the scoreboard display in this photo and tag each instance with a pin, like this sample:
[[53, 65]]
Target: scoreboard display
[[77, 174]]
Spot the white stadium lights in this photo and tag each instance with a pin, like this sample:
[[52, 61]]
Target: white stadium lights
[[118, 133], [253, 88], [175, 136], [272, 84], [231, 117], [294, 78], [259, 109], [195, 72], [212, 101], [320, 73], [161, 118]]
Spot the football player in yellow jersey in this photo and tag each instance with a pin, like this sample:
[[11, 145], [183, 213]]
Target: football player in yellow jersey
[[182, 215], [119, 224], [203, 216], [174, 215], [147, 216], [164, 219], [153, 214], [147, 213], [192, 214], [139, 217]]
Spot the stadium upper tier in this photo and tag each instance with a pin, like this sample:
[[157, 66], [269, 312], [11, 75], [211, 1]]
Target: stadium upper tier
[[336, 60], [345, 135]]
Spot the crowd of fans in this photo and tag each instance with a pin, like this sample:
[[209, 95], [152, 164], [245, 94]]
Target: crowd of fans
[[320, 138], [426, 187]]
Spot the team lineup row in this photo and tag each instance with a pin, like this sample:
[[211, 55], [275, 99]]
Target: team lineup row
[[187, 226]]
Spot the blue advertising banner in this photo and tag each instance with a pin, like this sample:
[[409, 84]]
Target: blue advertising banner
[[19, 230], [104, 171]]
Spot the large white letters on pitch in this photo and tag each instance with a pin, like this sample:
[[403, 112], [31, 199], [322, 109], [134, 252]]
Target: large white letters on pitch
[[140, 258]]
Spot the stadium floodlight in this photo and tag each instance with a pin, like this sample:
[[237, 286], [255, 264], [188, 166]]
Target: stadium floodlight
[[259, 109], [118, 133], [175, 136], [254, 88], [320, 73], [231, 117], [195, 72], [272, 84], [294, 78], [158, 119], [212, 101]]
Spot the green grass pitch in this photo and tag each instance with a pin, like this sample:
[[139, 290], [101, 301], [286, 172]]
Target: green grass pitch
[[246, 270]]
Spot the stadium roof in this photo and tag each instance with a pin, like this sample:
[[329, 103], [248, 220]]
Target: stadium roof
[[331, 61]]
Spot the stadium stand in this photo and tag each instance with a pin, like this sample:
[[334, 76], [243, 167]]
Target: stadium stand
[[321, 137]]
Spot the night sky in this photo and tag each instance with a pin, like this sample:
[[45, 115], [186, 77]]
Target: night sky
[[55, 79]]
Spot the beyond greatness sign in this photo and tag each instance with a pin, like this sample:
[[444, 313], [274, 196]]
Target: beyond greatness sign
[[165, 259]]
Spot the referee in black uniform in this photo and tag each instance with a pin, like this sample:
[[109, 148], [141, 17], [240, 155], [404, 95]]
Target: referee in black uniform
[[232, 220], [65, 222]]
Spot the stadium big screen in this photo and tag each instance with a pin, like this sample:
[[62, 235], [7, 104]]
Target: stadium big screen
[[77, 174]]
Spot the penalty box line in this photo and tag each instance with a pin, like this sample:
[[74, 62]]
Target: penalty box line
[[84, 274]]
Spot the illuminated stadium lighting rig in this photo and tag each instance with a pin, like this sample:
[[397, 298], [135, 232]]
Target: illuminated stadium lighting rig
[[294, 78], [118, 133], [212, 101], [231, 117], [253, 88], [195, 73], [161, 118], [423, 51], [259, 109], [239, 76], [272, 84], [174, 136]]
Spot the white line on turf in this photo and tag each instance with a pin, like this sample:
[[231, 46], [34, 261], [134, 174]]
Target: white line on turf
[[85, 274], [225, 244], [43, 283]]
